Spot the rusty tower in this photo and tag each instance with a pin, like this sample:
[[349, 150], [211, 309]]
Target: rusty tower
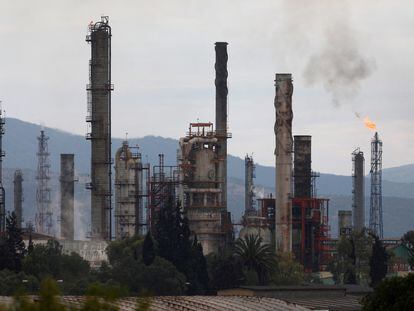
[[249, 172], [43, 198], [283, 152], [99, 118]]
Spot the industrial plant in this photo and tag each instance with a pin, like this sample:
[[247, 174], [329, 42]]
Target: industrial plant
[[127, 194]]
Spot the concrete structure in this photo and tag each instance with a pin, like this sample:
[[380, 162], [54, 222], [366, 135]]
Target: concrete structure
[[201, 190], [99, 115], [203, 169], [44, 213], [375, 212], [18, 197], [358, 190], [302, 171], [344, 223], [249, 195], [221, 116], [128, 185], [283, 152], [67, 193]]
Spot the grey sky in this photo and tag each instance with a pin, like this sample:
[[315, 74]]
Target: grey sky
[[163, 69]]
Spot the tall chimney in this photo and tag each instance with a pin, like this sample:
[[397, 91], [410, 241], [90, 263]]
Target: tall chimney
[[67, 179], [302, 171], [221, 115], [283, 152], [18, 197], [358, 200], [249, 168]]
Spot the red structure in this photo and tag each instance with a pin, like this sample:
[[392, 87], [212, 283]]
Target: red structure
[[310, 232]]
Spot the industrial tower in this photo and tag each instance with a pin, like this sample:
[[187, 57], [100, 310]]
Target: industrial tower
[[44, 211], [283, 152], [18, 197], [358, 193], [375, 212], [67, 194], [249, 171], [2, 192], [99, 116], [129, 194]]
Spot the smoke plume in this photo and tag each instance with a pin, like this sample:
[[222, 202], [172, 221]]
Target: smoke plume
[[339, 66]]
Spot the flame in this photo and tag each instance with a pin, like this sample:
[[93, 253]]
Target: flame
[[369, 124]]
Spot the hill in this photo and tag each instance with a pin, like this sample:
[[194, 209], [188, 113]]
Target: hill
[[20, 144]]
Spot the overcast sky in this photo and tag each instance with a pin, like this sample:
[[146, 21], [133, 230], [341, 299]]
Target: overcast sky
[[345, 57]]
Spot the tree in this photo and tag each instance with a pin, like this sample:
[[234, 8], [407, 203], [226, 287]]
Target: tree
[[256, 256], [351, 264], [395, 293], [288, 271], [408, 241], [12, 248], [148, 251], [378, 262], [225, 271]]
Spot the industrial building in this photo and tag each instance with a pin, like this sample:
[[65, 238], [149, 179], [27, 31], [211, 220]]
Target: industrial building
[[129, 179], [67, 196], [203, 169], [99, 116]]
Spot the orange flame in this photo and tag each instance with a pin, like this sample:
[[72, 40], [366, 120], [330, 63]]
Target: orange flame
[[369, 124]]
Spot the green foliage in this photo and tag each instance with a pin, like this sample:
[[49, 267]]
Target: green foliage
[[12, 248], [351, 264], [288, 271], [391, 294], [12, 282], [378, 262], [225, 271], [172, 234], [408, 241], [256, 256], [148, 252]]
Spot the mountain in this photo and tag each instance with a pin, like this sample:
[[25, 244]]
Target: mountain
[[20, 145]]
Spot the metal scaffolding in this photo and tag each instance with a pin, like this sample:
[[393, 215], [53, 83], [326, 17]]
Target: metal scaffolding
[[43, 199], [375, 213]]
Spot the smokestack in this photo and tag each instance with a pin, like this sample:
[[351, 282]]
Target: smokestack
[[99, 116], [18, 197], [375, 213], [302, 171], [67, 186], [221, 115], [358, 199], [283, 152], [249, 186]]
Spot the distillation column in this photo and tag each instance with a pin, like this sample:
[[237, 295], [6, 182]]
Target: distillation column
[[358, 198], [99, 116], [283, 152], [2, 192], [18, 197], [67, 191]]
